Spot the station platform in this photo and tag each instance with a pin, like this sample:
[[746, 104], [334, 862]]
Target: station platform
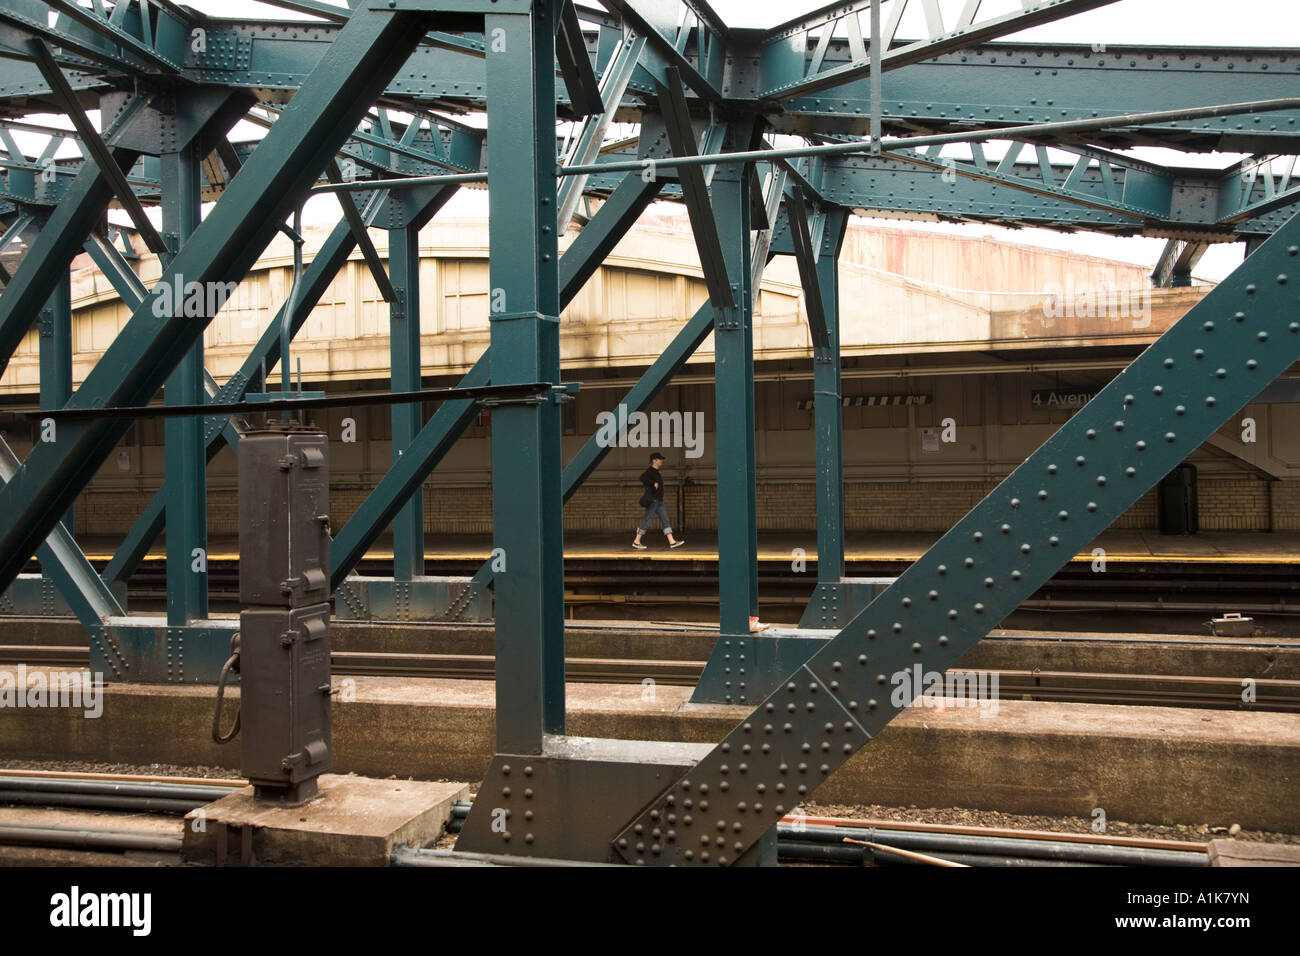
[[1123, 546]]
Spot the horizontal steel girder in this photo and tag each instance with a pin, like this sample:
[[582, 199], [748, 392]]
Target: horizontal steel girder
[[992, 83]]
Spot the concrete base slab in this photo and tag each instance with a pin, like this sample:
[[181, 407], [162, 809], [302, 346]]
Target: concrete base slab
[[1241, 853], [356, 821]]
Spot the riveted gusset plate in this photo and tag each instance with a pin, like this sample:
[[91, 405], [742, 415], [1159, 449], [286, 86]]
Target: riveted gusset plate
[[1217, 358]]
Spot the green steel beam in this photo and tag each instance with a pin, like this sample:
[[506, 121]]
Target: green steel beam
[[586, 146], [65, 564], [1099, 179], [364, 57], [27, 19], [1257, 185], [670, 37], [695, 191], [733, 349], [965, 88], [55, 355], [773, 193], [1196, 376], [115, 269], [524, 317], [575, 65], [828, 432], [113, 174], [790, 69], [56, 245], [1176, 262], [186, 482], [362, 238], [163, 52], [827, 408], [404, 351], [977, 88], [806, 255]]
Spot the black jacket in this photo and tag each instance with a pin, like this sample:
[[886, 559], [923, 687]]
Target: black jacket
[[653, 481]]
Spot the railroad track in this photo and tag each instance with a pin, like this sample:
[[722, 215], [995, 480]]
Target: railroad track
[[800, 839], [1057, 686], [619, 583]]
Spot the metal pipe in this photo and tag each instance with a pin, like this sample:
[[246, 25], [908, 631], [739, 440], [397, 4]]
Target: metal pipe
[[1026, 131], [89, 801], [847, 149], [365, 185], [409, 856], [1011, 847], [290, 305], [829, 853], [230, 783], [171, 791], [89, 838], [488, 392]]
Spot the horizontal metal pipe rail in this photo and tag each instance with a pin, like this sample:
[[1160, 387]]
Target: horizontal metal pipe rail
[[942, 843], [88, 838], [131, 796], [793, 851]]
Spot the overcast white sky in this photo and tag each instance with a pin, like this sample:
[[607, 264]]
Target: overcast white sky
[[1242, 23]]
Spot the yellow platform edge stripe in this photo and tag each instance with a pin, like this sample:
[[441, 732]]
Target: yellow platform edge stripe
[[679, 555]]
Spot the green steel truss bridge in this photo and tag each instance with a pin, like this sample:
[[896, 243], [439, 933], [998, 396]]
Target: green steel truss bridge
[[771, 139]]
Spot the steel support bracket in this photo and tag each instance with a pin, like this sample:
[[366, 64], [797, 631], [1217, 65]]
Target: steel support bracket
[[745, 668], [424, 598], [834, 603], [37, 594], [144, 650], [565, 803]]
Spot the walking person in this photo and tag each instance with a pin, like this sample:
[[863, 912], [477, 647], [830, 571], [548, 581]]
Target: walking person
[[652, 500]]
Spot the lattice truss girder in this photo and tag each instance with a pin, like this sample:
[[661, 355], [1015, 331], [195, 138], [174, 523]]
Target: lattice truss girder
[[385, 92]]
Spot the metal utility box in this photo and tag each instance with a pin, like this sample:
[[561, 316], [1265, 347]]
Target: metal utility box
[[285, 699], [284, 645], [284, 516]]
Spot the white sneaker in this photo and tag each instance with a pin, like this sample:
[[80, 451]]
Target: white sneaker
[[638, 545], [677, 544]]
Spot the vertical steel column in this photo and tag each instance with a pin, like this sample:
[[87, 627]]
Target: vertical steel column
[[56, 354], [733, 344], [404, 347], [185, 451], [828, 412], [525, 305]]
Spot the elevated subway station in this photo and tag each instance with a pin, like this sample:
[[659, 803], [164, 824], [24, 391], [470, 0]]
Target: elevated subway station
[[1003, 365], [218, 494]]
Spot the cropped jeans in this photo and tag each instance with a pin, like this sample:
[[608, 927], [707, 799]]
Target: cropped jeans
[[656, 508]]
